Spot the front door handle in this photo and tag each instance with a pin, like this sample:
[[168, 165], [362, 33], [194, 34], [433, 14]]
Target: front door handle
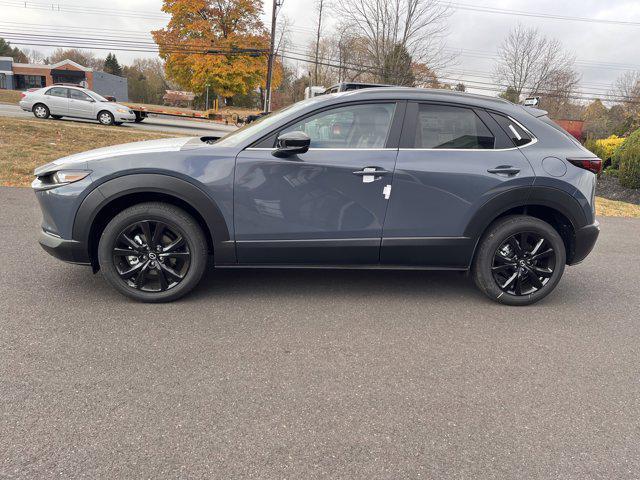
[[504, 170], [370, 174]]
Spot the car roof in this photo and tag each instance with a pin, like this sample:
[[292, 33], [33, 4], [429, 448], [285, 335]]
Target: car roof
[[412, 93]]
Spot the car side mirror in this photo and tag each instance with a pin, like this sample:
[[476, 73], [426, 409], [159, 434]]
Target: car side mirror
[[291, 143]]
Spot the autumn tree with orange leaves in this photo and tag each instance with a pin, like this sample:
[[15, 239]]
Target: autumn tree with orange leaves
[[200, 26]]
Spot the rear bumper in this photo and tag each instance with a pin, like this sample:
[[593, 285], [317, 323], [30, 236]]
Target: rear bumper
[[585, 240], [67, 250]]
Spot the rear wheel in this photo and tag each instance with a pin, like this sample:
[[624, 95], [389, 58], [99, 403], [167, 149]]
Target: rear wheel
[[106, 118], [40, 110], [519, 261], [153, 252]]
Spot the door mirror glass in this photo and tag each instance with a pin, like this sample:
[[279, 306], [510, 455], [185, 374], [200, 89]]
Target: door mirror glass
[[292, 143]]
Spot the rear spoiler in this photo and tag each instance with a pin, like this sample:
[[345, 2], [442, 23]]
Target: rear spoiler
[[536, 112]]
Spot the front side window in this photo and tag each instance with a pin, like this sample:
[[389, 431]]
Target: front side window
[[57, 92], [446, 127], [351, 126], [515, 132], [78, 95]]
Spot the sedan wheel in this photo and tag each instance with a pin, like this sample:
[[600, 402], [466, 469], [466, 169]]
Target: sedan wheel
[[41, 111], [106, 118]]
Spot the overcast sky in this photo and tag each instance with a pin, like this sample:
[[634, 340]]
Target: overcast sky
[[603, 51]]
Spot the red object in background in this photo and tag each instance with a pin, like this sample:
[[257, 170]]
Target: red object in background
[[574, 127]]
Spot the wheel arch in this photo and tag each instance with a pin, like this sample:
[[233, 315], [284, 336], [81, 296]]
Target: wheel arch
[[556, 207], [111, 197]]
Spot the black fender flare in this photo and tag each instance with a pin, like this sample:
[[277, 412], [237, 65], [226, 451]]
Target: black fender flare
[[185, 191], [554, 198], [550, 197]]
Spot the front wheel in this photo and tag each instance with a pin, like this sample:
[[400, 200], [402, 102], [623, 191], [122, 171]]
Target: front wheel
[[519, 261], [106, 118], [153, 252]]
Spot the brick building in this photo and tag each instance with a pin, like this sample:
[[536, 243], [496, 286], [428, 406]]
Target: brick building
[[21, 76]]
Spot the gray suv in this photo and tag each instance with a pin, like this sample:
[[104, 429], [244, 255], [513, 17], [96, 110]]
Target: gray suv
[[60, 101], [380, 178]]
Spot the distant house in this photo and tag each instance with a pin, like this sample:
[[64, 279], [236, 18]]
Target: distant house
[[22, 76], [177, 98]]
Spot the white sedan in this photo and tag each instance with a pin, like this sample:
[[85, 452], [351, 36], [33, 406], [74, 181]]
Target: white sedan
[[59, 101]]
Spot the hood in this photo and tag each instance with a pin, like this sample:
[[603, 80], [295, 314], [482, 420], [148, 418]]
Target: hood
[[149, 146]]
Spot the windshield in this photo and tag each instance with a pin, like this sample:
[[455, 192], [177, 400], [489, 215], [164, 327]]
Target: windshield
[[97, 97], [235, 138]]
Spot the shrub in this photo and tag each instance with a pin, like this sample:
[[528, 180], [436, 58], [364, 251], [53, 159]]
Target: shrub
[[628, 157], [605, 148]]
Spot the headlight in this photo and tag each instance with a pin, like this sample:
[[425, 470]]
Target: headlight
[[69, 176], [122, 110], [61, 177]]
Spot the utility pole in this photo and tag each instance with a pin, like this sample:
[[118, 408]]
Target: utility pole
[[319, 6], [267, 94]]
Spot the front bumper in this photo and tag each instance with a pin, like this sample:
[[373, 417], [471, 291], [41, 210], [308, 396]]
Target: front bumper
[[124, 117], [585, 240], [70, 251]]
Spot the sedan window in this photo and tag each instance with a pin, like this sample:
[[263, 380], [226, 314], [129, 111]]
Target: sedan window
[[446, 127], [57, 92], [78, 95], [351, 126]]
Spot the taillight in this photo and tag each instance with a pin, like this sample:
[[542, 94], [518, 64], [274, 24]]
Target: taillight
[[592, 164], [23, 94]]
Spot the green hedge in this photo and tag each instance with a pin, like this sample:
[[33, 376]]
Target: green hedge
[[627, 160]]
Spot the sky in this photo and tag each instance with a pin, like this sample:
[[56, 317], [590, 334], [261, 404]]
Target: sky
[[603, 51]]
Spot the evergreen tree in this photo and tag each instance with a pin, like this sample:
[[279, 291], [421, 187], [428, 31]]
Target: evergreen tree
[[6, 50], [112, 66]]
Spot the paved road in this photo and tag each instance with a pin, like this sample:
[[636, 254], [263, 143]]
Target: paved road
[[306, 375], [175, 125]]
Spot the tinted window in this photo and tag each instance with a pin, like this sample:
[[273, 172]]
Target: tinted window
[[441, 126], [57, 92], [516, 133], [352, 126], [78, 95]]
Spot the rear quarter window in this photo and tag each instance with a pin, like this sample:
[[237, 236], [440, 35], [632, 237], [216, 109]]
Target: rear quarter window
[[518, 135]]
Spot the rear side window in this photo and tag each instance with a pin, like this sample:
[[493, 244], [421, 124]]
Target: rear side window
[[515, 132], [446, 127], [57, 92]]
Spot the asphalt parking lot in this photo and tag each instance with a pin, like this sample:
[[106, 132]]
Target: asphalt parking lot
[[317, 374]]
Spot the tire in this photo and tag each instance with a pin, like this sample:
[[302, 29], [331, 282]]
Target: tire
[[56, 117], [40, 110], [507, 261], [106, 118], [165, 276]]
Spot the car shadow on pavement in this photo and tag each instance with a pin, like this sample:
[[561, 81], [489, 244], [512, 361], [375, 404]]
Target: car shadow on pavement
[[345, 283]]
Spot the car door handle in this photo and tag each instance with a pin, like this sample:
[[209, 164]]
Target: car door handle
[[504, 170], [370, 174]]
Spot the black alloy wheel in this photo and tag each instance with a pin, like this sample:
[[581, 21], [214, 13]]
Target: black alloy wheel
[[153, 252], [523, 264], [519, 260], [151, 256]]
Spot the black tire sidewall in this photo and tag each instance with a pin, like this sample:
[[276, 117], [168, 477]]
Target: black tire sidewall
[[176, 218], [494, 237]]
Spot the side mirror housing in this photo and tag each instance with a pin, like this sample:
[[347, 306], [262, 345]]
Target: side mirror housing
[[291, 143]]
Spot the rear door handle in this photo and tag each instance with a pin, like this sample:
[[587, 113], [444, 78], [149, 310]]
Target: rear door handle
[[504, 170], [370, 174]]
